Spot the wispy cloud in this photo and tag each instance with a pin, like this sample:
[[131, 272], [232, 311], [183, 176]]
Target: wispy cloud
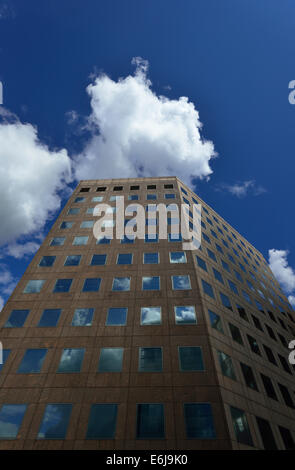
[[242, 189], [284, 273]]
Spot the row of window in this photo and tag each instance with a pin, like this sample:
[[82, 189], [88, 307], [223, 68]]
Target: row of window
[[134, 187], [131, 197], [183, 314], [83, 240]]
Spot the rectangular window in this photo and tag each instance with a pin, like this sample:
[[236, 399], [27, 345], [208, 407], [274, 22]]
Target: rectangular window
[[174, 237], [151, 258], [65, 225], [117, 316], [190, 358], [242, 312], [207, 288], [286, 395], [217, 275], [79, 199], [151, 197], [71, 360], [97, 199], [181, 282], [233, 287], [226, 365], [103, 241], [150, 316], [78, 241], [199, 422], [151, 283], [73, 260], [185, 315], [17, 318], [168, 186], [87, 224], [62, 285], [267, 436], [177, 257], [83, 317], [257, 323], [211, 255], [151, 238], [284, 364], [32, 361], [124, 258], [236, 334], [102, 421], [5, 354], [55, 421], [74, 211], [253, 345], [241, 427], [287, 438], [101, 188], [50, 317], [98, 260], [150, 421], [170, 196], [270, 355], [225, 301], [215, 321], [201, 263], [91, 284], [246, 297], [84, 190], [150, 360], [134, 188], [47, 261], [269, 388], [121, 284], [11, 417], [33, 286], [110, 360], [133, 197], [249, 376]]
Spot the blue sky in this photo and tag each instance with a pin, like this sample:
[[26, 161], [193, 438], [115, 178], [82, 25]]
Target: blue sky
[[233, 60]]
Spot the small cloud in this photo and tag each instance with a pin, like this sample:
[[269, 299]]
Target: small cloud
[[7, 281], [282, 271], [291, 299], [242, 189], [18, 250], [71, 117], [167, 87], [6, 11]]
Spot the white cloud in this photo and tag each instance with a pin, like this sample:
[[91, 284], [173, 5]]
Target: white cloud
[[242, 189], [7, 282], [30, 177], [137, 133], [1, 303], [18, 250], [283, 272]]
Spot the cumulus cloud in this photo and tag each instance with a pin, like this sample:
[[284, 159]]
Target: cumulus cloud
[[135, 132], [284, 273], [31, 176], [242, 189], [19, 250]]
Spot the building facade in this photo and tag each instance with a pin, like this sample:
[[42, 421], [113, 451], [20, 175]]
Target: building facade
[[138, 344]]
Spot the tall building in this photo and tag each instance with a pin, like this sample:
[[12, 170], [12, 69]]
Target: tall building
[[138, 344]]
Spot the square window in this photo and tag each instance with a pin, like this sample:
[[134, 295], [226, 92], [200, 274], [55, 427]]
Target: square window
[[190, 358], [185, 315], [47, 261], [177, 257], [215, 321], [33, 287], [207, 288], [50, 317], [62, 285], [121, 284], [73, 260], [150, 360], [110, 360], [55, 421], [150, 421], [32, 361], [83, 317], [98, 260], [124, 258], [17, 318], [11, 417], [65, 225], [181, 282], [87, 224], [241, 427], [226, 365], [102, 421], [150, 316], [71, 360], [117, 316], [91, 284], [80, 241], [151, 258], [199, 422], [151, 283]]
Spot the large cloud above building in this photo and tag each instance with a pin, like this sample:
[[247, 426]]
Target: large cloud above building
[[284, 273], [137, 133]]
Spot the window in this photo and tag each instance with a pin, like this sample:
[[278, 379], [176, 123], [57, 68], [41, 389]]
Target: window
[[91, 284], [17, 318], [170, 196], [32, 361], [151, 283], [65, 225], [217, 275], [73, 260], [181, 282], [98, 260], [226, 365], [287, 438], [97, 199], [83, 317], [201, 263], [118, 188], [134, 188], [249, 376], [233, 287], [127, 239], [242, 312], [151, 238], [5, 354], [225, 266], [50, 317], [211, 255], [150, 360], [174, 237], [151, 197], [286, 395], [133, 197], [246, 297], [101, 188], [168, 186], [79, 199], [190, 358], [47, 261], [271, 332], [87, 224], [110, 360], [257, 323], [177, 257], [208, 289], [84, 190], [269, 388], [199, 422], [185, 315], [121, 284], [33, 286], [241, 427], [225, 301], [124, 258], [151, 186], [55, 421], [150, 316], [117, 316], [62, 285], [80, 241], [215, 321], [238, 276], [103, 241], [267, 437], [11, 417], [284, 364], [71, 360], [151, 258], [150, 421], [74, 211], [253, 345], [184, 191], [270, 355], [102, 421], [206, 238], [236, 334]]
